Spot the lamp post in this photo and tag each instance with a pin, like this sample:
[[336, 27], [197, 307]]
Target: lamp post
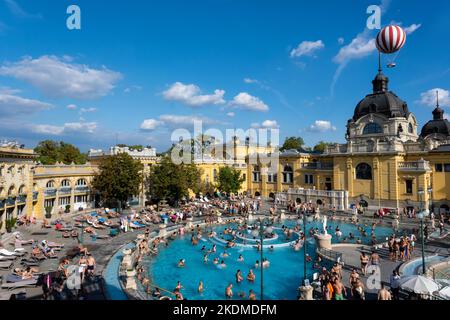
[[420, 215], [304, 249], [260, 233]]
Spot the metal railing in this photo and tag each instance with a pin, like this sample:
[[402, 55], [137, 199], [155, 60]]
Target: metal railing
[[331, 255]]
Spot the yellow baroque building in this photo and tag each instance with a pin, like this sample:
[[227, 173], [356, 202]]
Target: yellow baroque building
[[386, 161]]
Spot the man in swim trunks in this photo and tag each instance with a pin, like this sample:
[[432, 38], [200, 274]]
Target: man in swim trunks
[[384, 294], [229, 291], [338, 289]]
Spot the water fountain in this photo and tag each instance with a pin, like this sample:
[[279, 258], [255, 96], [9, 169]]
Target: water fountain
[[324, 240]]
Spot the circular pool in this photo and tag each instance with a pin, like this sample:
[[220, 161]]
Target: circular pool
[[281, 278]]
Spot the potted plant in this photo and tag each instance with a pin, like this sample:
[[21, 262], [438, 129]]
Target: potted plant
[[48, 212], [10, 224], [67, 209]]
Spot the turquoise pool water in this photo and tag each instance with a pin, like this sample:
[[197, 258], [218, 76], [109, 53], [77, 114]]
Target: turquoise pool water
[[281, 279]]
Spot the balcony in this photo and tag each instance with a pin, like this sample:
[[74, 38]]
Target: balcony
[[82, 189], [414, 166], [50, 192], [65, 190], [11, 201], [22, 199], [318, 166]]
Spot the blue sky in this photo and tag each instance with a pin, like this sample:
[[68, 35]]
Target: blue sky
[[138, 69]]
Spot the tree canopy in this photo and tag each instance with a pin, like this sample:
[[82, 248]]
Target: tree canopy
[[50, 152], [292, 143], [119, 178], [172, 182], [229, 180], [320, 147]]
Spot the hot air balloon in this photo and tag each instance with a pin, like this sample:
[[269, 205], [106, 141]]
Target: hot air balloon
[[389, 41]]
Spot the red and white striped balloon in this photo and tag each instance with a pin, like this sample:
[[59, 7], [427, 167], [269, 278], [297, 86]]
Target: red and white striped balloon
[[391, 39]]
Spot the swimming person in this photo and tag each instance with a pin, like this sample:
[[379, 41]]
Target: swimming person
[[239, 276], [251, 295], [229, 291], [222, 264], [200, 287], [241, 258], [181, 263], [251, 276]]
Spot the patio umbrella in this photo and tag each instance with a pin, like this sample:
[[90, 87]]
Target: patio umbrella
[[419, 284], [445, 293]]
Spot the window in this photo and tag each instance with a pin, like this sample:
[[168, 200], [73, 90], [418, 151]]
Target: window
[[22, 190], [363, 171], [447, 167], [65, 183], [81, 183], [215, 175], [50, 184], [81, 199], [64, 201], [49, 203], [409, 186], [309, 179], [244, 176], [438, 167], [11, 191], [288, 174], [372, 128], [272, 178], [256, 174], [410, 128]]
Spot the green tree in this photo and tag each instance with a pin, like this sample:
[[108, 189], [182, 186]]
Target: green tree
[[172, 182], [119, 178], [292, 143], [320, 147], [229, 180], [50, 152]]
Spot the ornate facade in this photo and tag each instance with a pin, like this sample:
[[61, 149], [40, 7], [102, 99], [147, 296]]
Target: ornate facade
[[385, 162]]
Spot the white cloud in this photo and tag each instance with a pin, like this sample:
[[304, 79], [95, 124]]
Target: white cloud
[[170, 119], [132, 88], [57, 77], [360, 47], [341, 40], [12, 104], [307, 48], [267, 124], [249, 80], [88, 110], [191, 95], [428, 98], [412, 28], [72, 107], [248, 102], [321, 126], [231, 114], [150, 124], [67, 128]]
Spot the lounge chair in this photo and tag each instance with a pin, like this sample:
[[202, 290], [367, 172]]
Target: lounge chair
[[7, 258], [7, 295], [19, 284], [6, 265], [7, 253]]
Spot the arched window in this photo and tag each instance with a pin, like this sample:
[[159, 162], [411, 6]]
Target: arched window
[[372, 128], [81, 182], [288, 174], [50, 184], [363, 171], [410, 128], [22, 190], [11, 191], [65, 183]]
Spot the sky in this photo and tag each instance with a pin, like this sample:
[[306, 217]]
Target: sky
[[137, 69]]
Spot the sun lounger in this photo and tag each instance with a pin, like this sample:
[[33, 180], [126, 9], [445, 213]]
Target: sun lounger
[[8, 258], [19, 284], [30, 263], [7, 295], [6, 265], [7, 253]]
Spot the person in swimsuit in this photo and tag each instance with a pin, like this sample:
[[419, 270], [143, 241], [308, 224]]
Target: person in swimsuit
[[229, 291]]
